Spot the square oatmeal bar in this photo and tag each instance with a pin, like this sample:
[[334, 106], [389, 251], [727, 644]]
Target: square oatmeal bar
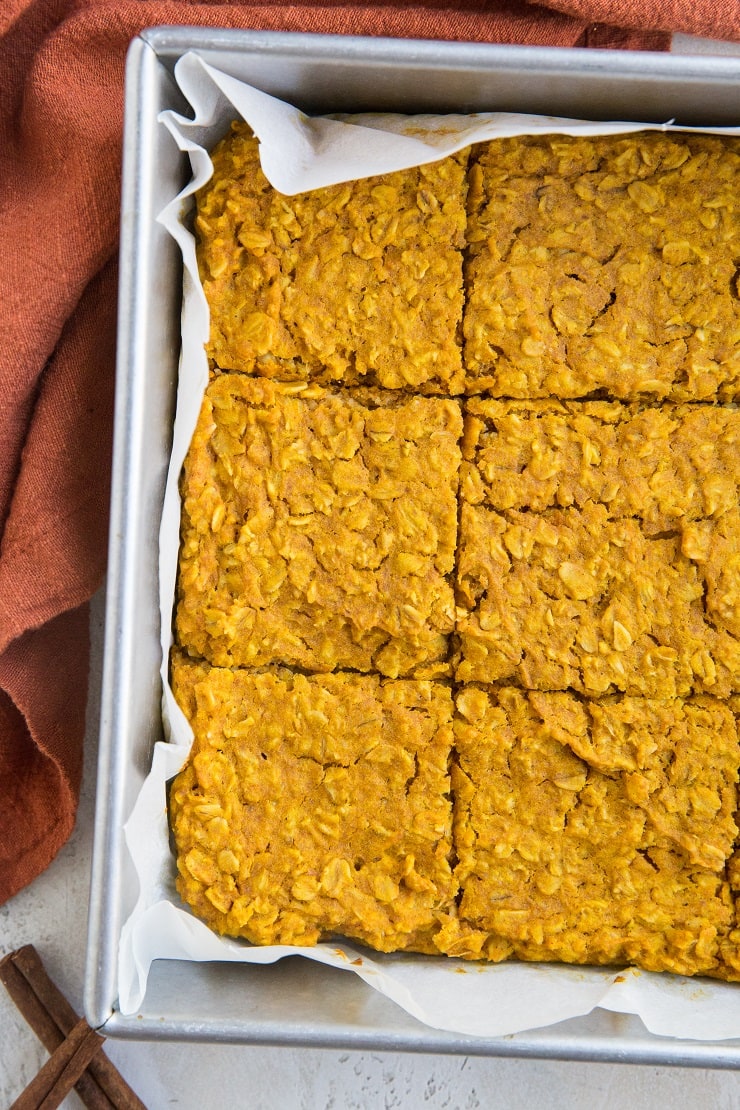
[[572, 599], [358, 283], [312, 806], [671, 466], [319, 529], [607, 264], [598, 547], [594, 832]]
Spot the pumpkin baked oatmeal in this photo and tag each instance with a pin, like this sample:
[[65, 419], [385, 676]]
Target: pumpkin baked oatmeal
[[359, 283], [605, 264], [598, 547], [730, 945], [594, 832], [319, 528], [566, 550], [314, 805], [571, 599], [670, 466]]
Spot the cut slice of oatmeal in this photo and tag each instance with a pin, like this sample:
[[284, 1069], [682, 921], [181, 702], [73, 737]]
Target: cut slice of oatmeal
[[359, 283], [314, 806], [599, 547], [569, 599], [669, 466], [594, 832], [319, 528], [606, 263]]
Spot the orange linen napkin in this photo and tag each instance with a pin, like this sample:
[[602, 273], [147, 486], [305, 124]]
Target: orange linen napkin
[[61, 76]]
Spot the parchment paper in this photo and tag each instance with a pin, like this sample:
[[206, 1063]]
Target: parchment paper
[[299, 153]]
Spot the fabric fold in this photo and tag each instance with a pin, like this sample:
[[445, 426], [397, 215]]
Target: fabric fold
[[42, 721]]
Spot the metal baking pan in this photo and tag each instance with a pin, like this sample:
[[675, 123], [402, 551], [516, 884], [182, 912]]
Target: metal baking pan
[[295, 1002]]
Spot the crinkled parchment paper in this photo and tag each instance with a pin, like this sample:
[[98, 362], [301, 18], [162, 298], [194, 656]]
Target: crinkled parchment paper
[[299, 153]]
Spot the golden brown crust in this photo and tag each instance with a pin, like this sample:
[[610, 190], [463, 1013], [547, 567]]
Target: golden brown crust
[[593, 832], [319, 529], [314, 805], [730, 944], [359, 283], [605, 263]]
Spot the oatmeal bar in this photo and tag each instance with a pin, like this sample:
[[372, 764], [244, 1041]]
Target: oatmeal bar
[[599, 546], [730, 945], [572, 599], [359, 283], [592, 832], [670, 466], [314, 805], [605, 263], [319, 528]]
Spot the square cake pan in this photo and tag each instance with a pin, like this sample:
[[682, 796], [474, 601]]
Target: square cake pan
[[295, 1001]]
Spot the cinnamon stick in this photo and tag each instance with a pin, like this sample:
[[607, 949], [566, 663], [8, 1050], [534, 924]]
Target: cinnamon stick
[[61, 1071], [47, 1011]]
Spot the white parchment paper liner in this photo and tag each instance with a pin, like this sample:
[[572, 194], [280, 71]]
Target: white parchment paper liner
[[299, 153]]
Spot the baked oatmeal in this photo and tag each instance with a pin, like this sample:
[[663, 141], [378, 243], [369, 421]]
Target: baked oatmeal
[[359, 283], [593, 832], [330, 505], [571, 599], [606, 263], [599, 547], [319, 528], [730, 945], [670, 466], [314, 805]]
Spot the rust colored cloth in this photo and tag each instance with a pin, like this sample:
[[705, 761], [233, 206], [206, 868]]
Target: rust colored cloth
[[61, 75]]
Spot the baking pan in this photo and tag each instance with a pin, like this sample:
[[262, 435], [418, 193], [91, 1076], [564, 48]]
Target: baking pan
[[296, 1002]]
